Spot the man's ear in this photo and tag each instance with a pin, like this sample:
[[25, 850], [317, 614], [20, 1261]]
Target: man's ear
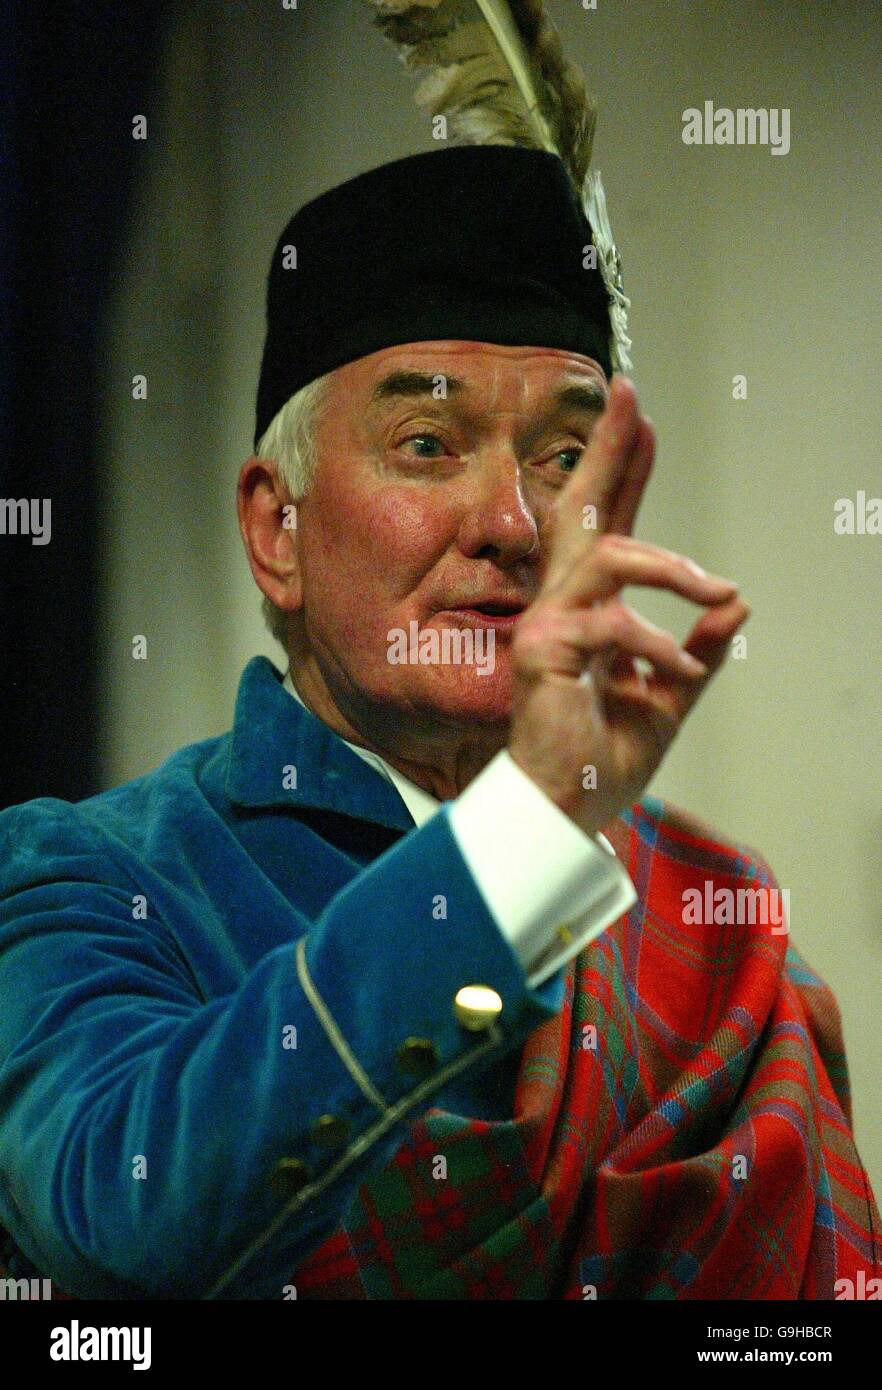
[[267, 521]]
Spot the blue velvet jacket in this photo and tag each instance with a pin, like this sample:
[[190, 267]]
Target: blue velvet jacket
[[224, 993]]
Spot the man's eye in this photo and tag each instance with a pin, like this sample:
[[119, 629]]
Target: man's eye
[[417, 438], [576, 453]]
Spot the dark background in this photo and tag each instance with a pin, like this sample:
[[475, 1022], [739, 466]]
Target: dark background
[[71, 77]]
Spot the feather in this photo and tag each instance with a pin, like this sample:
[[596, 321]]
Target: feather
[[496, 71]]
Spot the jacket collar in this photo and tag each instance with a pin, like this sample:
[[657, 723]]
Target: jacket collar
[[272, 731]]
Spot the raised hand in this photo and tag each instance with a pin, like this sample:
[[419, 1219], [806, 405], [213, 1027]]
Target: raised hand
[[579, 701]]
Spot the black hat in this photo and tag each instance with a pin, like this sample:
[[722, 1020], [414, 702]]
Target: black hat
[[487, 243]]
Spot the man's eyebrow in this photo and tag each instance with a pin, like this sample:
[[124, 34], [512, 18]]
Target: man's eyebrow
[[588, 397], [412, 384]]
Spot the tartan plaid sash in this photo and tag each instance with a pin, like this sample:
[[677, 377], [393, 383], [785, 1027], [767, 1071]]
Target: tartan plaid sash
[[681, 1129]]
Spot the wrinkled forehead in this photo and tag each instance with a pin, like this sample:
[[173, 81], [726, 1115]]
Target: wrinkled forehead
[[486, 375]]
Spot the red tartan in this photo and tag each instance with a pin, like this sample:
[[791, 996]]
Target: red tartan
[[713, 1041]]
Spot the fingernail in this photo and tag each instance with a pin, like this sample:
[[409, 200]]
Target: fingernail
[[711, 578], [691, 663]]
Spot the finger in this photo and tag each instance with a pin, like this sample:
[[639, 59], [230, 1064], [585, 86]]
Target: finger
[[624, 513], [605, 634], [621, 666], [617, 561], [594, 487], [709, 642], [613, 669], [710, 637]]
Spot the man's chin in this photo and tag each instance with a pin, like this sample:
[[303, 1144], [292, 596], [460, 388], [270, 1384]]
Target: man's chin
[[465, 694]]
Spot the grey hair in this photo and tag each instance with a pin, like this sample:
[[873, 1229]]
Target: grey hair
[[290, 441]]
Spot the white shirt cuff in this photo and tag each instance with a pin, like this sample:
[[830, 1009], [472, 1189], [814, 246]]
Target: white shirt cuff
[[550, 888]]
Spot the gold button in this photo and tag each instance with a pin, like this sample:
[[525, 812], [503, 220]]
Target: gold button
[[329, 1131], [418, 1056], [289, 1176], [476, 1007]]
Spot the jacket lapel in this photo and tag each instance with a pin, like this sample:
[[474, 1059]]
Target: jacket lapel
[[281, 755]]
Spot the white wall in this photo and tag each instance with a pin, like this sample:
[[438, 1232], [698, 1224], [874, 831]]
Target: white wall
[[736, 261]]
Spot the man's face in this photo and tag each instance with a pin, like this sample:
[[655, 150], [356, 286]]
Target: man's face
[[427, 508]]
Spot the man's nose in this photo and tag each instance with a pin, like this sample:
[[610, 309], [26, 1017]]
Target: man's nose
[[497, 522]]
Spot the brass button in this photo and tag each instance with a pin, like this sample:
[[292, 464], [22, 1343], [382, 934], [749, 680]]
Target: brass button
[[289, 1176], [418, 1056], [329, 1131], [476, 1007]]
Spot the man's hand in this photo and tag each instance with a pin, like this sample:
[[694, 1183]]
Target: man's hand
[[579, 701]]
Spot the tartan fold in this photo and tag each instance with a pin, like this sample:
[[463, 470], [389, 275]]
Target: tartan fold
[[681, 1130]]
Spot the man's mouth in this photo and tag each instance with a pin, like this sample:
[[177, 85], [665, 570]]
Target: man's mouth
[[499, 614]]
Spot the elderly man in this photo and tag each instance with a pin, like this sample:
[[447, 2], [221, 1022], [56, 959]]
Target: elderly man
[[399, 989]]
